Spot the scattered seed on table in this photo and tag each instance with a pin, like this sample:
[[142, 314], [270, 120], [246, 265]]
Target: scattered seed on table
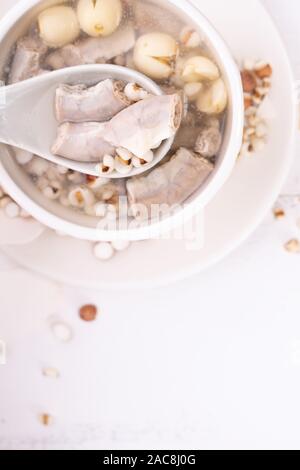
[[279, 213], [261, 129], [46, 419], [248, 80], [51, 373], [256, 78], [293, 246], [88, 312], [62, 332], [103, 251]]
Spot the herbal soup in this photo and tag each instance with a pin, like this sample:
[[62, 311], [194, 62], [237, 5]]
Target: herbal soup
[[119, 125]]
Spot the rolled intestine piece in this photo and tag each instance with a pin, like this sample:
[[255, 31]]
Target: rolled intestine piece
[[139, 127], [98, 103], [82, 142], [27, 59], [171, 183], [93, 50], [186, 137]]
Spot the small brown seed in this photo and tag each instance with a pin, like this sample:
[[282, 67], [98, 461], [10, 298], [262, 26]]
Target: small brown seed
[[249, 81], [88, 312], [46, 419], [293, 246], [264, 72], [248, 102], [62, 332], [279, 213]]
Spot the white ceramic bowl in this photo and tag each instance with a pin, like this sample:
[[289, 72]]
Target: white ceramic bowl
[[13, 26]]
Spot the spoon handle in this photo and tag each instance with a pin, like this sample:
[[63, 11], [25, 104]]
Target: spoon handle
[[17, 109], [3, 117], [10, 120]]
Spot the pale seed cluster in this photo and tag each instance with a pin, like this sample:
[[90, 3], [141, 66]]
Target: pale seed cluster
[[256, 79]]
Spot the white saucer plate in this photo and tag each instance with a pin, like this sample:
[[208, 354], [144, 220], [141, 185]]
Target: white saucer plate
[[238, 208]]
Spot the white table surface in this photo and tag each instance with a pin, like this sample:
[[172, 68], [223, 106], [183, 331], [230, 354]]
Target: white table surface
[[211, 362]]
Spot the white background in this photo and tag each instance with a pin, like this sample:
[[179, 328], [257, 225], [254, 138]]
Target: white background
[[211, 362]]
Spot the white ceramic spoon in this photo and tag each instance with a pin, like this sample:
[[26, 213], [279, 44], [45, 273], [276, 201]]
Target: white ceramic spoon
[[27, 118]]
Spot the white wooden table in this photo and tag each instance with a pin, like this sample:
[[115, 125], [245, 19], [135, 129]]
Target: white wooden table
[[211, 362]]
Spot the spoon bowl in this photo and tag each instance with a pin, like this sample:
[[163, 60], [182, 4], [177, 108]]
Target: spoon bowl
[[27, 118]]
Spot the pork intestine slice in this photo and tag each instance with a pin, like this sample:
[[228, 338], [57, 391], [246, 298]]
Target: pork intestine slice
[[138, 129], [27, 59], [93, 50], [141, 126], [186, 137], [171, 183], [98, 103], [82, 142]]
